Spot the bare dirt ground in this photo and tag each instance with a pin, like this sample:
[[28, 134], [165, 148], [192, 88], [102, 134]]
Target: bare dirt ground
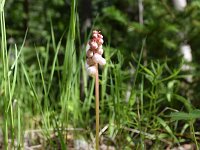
[[35, 140]]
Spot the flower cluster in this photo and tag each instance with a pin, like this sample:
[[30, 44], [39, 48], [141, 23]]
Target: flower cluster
[[94, 53]]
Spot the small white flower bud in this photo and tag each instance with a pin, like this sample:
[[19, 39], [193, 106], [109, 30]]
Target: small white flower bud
[[92, 71], [93, 45], [89, 53], [187, 52], [95, 32], [100, 41], [100, 50], [100, 36], [95, 35], [102, 61], [90, 61], [96, 58]]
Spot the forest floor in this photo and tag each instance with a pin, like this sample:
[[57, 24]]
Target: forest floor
[[35, 140]]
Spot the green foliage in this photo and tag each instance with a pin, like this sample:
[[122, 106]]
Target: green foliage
[[193, 115], [144, 93], [116, 15]]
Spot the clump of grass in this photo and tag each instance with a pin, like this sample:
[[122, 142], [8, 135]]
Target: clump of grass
[[8, 86]]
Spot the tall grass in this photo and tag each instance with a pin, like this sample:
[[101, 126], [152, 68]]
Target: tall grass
[[6, 81]]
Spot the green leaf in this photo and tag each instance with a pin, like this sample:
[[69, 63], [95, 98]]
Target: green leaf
[[149, 72], [186, 102], [169, 43], [195, 114], [166, 127]]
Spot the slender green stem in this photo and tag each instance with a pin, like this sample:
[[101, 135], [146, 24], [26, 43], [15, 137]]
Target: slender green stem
[[193, 133], [5, 76], [97, 107], [18, 126]]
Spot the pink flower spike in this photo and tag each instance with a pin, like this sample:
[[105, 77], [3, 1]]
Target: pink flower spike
[[93, 59]]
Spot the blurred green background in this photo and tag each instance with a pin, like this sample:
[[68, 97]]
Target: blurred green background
[[164, 28]]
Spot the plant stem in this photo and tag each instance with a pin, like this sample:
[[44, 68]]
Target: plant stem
[[97, 106], [193, 134]]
